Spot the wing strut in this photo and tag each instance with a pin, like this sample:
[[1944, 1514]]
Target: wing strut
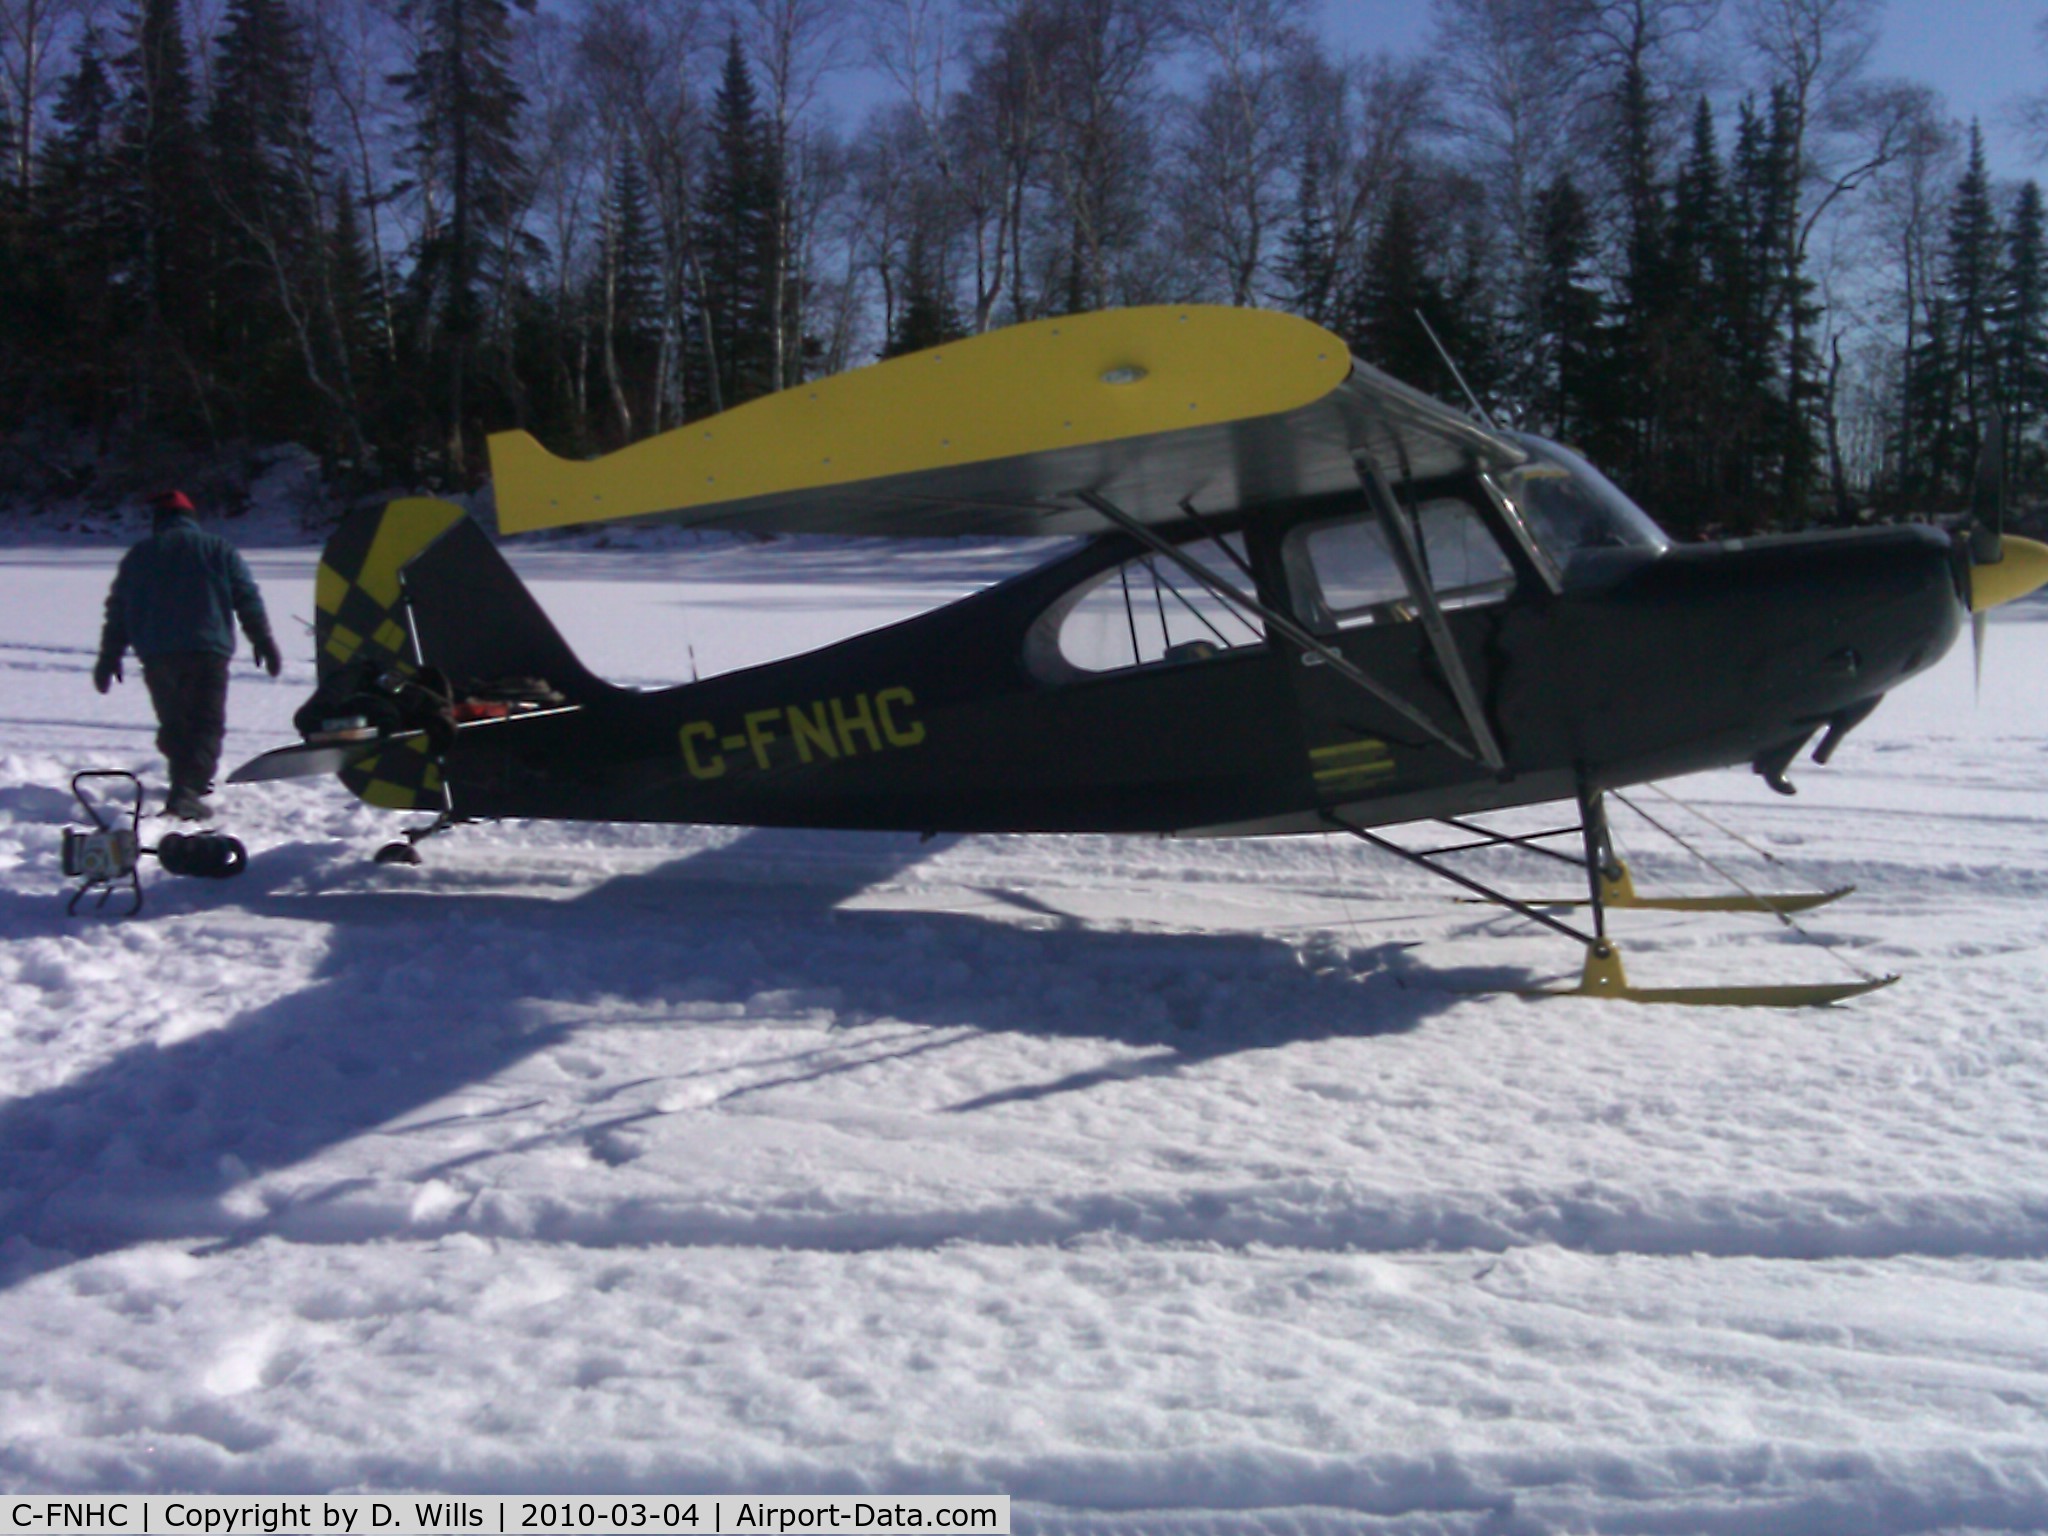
[[1280, 624], [1408, 556]]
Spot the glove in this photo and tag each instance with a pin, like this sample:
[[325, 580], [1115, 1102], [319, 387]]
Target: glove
[[267, 656], [106, 672]]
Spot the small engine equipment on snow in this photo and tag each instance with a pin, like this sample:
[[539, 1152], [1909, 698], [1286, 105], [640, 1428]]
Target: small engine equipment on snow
[[109, 853]]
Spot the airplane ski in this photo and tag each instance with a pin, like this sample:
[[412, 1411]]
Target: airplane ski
[[1618, 893], [1604, 977]]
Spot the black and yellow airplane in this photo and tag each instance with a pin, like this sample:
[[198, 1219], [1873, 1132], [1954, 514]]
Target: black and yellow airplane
[[1302, 598]]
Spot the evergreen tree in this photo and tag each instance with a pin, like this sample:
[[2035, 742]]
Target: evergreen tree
[[1928, 407], [1700, 244], [351, 278], [1698, 431], [352, 321], [466, 107], [1793, 302], [1308, 250], [735, 241], [85, 227], [266, 239], [1568, 318], [1643, 306], [1969, 288], [260, 124], [15, 283], [162, 171], [1396, 285], [1766, 469], [628, 303], [927, 316], [2023, 325], [14, 184]]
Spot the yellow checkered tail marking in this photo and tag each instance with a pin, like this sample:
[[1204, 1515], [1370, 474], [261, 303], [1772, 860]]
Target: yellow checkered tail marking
[[358, 617], [403, 777], [356, 589]]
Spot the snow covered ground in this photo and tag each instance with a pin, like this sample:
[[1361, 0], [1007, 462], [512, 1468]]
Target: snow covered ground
[[1165, 1187]]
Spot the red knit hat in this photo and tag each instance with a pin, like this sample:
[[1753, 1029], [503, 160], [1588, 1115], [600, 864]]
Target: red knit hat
[[171, 502]]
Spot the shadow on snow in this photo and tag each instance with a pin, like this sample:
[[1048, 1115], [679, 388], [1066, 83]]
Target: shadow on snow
[[422, 994]]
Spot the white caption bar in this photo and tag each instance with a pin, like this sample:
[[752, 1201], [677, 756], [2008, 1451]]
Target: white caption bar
[[711, 1514]]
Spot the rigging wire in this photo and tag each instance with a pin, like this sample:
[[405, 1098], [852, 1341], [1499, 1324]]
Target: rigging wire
[[1123, 574], [1726, 831], [1764, 902], [1166, 581], [1159, 602]]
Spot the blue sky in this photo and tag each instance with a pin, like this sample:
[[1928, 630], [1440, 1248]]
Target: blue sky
[[1980, 54]]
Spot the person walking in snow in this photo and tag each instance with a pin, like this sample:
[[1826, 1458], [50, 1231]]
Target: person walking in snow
[[174, 601]]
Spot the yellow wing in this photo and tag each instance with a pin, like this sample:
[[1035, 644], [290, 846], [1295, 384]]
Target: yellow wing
[[995, 434]]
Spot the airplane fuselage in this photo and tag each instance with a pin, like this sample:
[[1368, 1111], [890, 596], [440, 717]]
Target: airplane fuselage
[[1627, 664]]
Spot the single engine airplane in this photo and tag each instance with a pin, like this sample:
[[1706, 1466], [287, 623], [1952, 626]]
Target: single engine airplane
[[1301, 597]]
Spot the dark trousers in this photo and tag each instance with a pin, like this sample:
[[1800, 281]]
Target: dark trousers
[[190, 692]]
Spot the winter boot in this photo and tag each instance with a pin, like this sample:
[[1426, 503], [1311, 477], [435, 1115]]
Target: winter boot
[[187, 804]]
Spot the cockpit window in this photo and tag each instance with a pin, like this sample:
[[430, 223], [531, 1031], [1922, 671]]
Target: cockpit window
[[1570, 506], [1145, 611], [1343, 572]]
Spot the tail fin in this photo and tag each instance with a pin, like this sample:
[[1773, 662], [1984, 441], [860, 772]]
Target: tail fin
[[421, 573], [416, 588]]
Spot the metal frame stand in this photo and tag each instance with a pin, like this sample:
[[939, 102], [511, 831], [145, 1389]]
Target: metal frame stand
[[109, 854]]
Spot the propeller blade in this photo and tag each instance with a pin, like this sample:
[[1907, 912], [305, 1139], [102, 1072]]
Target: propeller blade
[[1987, 495], [2021, 567]]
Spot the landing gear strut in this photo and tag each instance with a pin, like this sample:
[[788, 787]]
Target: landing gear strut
[[1609, 885]]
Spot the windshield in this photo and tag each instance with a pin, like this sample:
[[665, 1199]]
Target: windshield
[[1570, 506]]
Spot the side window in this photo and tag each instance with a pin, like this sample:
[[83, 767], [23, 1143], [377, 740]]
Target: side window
[[1145, 611], [1343, 573], [1465, 563]]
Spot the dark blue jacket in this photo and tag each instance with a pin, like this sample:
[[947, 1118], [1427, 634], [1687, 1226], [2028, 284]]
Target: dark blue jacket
[[181, 589]]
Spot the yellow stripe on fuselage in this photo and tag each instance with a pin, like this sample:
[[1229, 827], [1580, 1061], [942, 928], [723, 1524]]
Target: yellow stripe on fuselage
[[1349, 764]]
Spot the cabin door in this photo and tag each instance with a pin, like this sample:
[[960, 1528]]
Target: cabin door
[[1346, 585]]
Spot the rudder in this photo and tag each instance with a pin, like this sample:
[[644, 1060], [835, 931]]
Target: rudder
[[415, 594]]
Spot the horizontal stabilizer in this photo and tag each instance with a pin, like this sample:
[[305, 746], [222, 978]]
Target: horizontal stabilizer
[[311, 759], [308, 760]]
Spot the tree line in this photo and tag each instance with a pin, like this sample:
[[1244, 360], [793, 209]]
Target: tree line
[[1699, 238]]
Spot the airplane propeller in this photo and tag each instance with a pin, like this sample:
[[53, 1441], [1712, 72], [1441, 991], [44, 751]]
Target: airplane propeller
[[1987, 533], [2001, 568]]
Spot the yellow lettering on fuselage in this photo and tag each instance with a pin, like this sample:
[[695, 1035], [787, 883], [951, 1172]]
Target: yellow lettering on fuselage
[[861, 719], [807, 728], [701, 768], [758, 734], [885, 706], [786, 735]]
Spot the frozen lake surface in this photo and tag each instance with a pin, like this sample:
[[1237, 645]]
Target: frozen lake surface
[[1177, 1187]]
